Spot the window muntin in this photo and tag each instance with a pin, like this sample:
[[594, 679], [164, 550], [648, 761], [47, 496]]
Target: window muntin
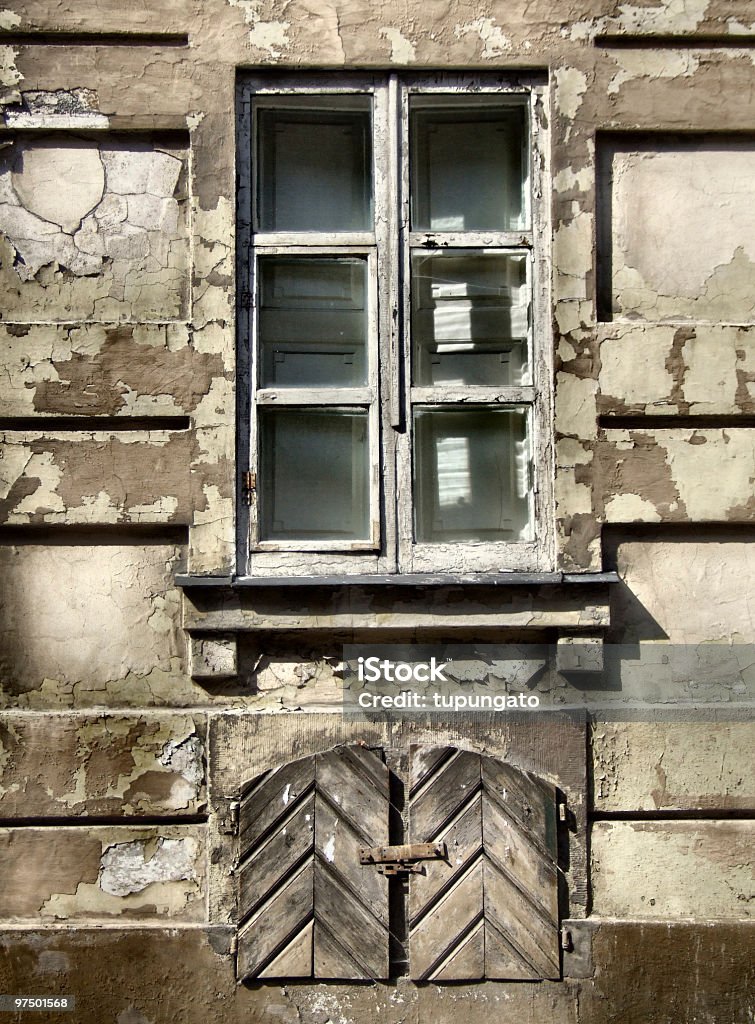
[[453, 316]]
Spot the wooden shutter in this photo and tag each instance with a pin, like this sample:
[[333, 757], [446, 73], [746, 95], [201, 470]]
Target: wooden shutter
[[491, 909], [308, 908]]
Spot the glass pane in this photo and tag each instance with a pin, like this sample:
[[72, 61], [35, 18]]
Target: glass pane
[[313, 322], [471, 475], [468, 168], [470, 316], [314, 167], [314, 473]]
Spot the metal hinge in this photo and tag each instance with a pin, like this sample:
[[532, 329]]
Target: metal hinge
[[390, 860], [245, 298], [249, 487], [229, 825]]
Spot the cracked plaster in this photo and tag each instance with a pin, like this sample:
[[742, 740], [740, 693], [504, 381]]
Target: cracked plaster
[[142, 764], [104, 221], [653, 194], [77, 873]]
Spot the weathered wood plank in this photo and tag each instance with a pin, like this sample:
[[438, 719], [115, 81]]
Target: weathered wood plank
[[287, 845], [467, 959], [498, 823], [338, 845], [441, 932], [271, 798], [463, 841], [531, 802], [355, 795], [445, 793], [295, 960], [522, 921], [314, 908], [277, 924], [350, 923]]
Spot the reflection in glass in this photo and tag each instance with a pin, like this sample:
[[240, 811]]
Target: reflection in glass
[[313, 321], [470, 318], [471, 475], [314, 166], [468, 167], [314, 473]]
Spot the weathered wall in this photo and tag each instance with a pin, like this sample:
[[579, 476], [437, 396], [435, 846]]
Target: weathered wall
[[122, 744]]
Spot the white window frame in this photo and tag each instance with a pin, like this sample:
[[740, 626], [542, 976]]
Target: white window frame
[[389, 396]]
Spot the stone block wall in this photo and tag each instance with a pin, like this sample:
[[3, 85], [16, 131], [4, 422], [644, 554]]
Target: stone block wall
[[135, 707]]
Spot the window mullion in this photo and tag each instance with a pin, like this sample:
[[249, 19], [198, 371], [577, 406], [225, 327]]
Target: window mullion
[[404, 491]]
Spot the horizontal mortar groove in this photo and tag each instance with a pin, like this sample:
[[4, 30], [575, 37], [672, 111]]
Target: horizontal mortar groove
[[671, 422], [47, 38], [702, 814], [88, 424], [107, 821], [98, 534], [652, 40]]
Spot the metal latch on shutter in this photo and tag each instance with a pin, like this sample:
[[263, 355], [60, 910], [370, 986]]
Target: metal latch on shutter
[[392, 860]]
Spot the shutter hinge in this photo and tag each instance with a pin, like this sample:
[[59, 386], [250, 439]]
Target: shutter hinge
[[229, 825], [561, 811], [566, 941], [245, 298], [233, 946], [249, 487]]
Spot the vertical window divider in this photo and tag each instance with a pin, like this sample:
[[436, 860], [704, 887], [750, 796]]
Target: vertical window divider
[[404, 490], [393, 224]]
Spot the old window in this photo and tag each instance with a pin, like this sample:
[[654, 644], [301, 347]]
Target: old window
[[393, 332]]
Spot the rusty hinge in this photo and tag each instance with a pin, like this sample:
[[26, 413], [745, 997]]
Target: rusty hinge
[[229, 823], [249, 487], [390, 860]]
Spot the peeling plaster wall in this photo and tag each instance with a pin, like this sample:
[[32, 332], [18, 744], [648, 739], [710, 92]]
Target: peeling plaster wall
[[103, 765], [653, 870], [92, 230], [118, 419], [88, 873], [109, 616], [684, 590], [665, 196]]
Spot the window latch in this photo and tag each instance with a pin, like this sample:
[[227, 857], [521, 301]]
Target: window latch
[[249, 487]]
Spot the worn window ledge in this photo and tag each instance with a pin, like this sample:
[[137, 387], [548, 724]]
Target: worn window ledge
[[217, 609], [504, 579]]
